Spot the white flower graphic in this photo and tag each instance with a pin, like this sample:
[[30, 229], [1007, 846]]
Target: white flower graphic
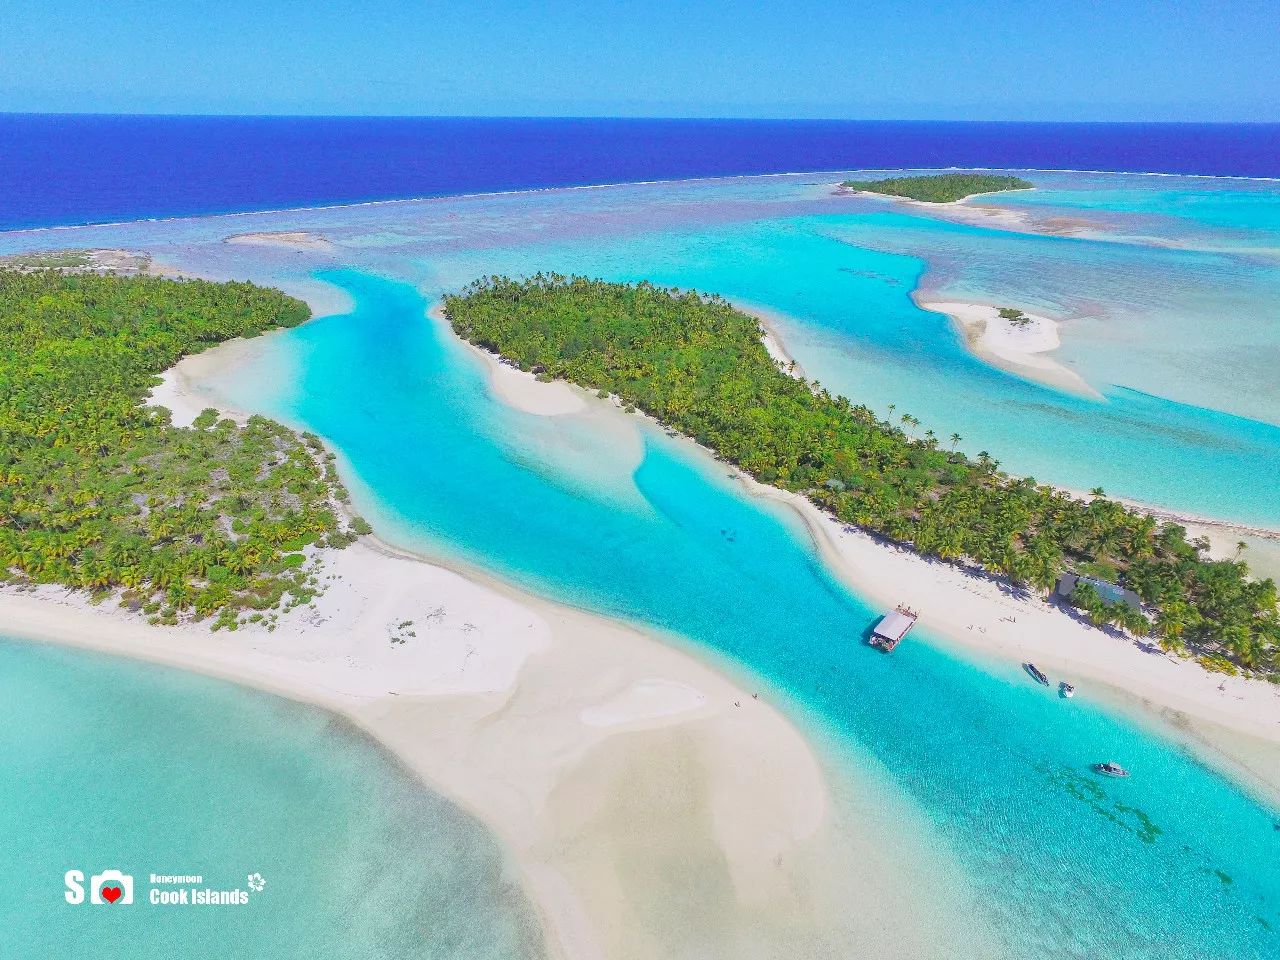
[[256, 882]]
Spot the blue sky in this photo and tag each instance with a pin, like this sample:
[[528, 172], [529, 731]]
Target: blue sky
[[931, 59]]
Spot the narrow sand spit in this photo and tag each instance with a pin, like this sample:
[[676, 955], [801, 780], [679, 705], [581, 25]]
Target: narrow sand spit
[[1020, 348]]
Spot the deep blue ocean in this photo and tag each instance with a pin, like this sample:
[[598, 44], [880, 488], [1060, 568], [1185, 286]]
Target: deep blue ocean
[[74, 169]]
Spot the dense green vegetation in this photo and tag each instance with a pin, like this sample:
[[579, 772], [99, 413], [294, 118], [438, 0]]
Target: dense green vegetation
[[698, 365], [1015, 317], [940, 188], [100, 492]]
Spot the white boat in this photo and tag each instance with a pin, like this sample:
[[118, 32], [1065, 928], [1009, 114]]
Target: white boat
[[893, 626], [1110, 769], [1066, 690]]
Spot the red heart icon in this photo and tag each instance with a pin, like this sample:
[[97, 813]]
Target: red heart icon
[[111, 894]]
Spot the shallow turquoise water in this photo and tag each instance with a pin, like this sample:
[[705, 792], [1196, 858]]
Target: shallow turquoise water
[[1183, 343], [846, 313], [109, 764], [1179, 332], [986, 764], [1243, 213]]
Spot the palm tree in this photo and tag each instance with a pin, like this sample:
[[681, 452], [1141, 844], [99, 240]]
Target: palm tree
[[1135, 621]]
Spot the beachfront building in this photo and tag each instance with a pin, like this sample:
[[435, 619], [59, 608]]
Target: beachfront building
[[1109, 592]]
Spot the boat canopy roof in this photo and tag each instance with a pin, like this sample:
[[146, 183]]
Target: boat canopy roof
[[894, 625]]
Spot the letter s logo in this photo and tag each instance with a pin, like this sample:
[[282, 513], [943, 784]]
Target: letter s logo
[[75, 886]]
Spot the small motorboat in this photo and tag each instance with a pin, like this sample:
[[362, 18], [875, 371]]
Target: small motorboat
[[1036, 672], [1110, 769], [1066, 690]]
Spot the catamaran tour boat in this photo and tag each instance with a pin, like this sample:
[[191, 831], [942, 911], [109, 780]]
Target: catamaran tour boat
[[893, 626], [1066, 690], [1110, 769], [1036, 672]]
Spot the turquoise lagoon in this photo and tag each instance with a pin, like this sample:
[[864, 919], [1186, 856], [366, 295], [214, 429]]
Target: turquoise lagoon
[[1180, 429], [1175, 862], [1180, 335], [989, 767], [1217, 212], [109, 764]]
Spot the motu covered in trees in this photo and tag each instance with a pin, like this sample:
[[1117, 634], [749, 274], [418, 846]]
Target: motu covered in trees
[[99, 492], [697, 364], [940, 188]]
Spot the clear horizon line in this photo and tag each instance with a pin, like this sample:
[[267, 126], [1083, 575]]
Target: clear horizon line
[[177, 115]]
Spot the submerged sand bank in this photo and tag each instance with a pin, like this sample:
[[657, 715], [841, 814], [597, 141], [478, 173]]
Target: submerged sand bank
[[300, 240], [628, 781], [653, 806]]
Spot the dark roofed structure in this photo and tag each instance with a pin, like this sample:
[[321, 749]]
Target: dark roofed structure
[[1109, 592]]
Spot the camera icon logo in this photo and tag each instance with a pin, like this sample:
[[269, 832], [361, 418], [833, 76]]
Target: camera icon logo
[[111, 886]]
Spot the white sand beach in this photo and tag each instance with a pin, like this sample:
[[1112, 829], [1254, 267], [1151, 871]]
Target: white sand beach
[[1232, 720], [602, 756], [522, 390], [599, 755], [1020, 348], [771, 337], [607, 758], [176, 393], [519, 388]]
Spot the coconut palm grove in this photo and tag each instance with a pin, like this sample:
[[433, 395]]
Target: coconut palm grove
[[698, 365], [102, 493]]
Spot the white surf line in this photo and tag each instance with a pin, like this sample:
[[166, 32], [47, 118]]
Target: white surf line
[[720, 178]]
